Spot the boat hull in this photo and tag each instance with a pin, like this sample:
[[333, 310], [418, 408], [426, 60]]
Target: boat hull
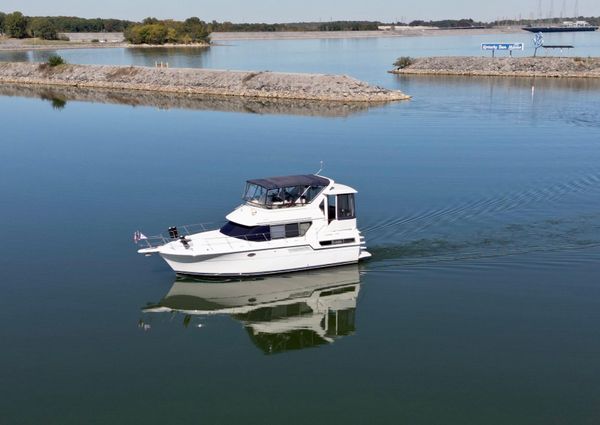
[[263, 262]]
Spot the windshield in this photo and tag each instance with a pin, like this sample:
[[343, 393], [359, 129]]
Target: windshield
[[255, 194], [282, 196]]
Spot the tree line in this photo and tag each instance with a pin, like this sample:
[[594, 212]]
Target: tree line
[[18, 25], [194, 30]]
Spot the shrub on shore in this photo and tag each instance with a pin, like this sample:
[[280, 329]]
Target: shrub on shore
[[403, 62], [56, 60]]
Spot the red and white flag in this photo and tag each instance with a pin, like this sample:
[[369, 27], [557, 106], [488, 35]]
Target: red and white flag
[[138, 236]]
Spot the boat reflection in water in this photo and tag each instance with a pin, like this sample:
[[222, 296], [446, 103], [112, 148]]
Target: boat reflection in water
[[280, 313]]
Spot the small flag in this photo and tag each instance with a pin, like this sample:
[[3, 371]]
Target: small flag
[[138, 236]]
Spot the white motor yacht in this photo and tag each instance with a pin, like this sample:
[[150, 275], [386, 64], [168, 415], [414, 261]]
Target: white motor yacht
[[285, 224]]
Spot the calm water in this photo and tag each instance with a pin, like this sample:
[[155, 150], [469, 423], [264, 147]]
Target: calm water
[[479, 199]]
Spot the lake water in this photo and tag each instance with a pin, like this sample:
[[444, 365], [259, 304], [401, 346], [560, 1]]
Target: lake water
[[479, 199]]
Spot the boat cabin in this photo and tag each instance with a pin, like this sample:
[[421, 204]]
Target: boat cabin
[[284, 191]]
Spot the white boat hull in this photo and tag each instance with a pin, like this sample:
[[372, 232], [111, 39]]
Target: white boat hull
[[264, 261]]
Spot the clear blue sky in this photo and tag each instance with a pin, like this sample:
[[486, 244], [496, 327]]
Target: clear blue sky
[[302, 10]]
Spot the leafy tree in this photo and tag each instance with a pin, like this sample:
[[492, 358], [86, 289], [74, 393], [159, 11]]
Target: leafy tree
[[403, 62], [15, 25], [193, 21], [42, 28], [156, 34], [2, 17], [192, 30]]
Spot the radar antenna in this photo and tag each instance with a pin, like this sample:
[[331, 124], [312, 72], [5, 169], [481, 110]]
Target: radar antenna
[[320, 169]]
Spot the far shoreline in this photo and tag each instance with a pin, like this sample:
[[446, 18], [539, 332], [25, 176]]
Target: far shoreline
[[217, 38], [79, 45]]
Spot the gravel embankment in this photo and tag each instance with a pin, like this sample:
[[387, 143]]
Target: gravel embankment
[[506, 66], [200, 81]]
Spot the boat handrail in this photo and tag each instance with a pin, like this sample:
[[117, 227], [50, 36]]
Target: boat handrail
[[212, 242], [154, 241]]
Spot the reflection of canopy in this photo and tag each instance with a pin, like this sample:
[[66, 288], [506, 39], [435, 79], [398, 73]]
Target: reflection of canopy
[[288, 181]]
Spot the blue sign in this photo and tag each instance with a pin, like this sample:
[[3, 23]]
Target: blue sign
[[502, 46]]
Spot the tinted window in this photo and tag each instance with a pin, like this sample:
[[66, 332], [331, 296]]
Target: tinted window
[[249, 233], [278, 232], [304, 227], [345, 207], [291, 230], [330, 208]]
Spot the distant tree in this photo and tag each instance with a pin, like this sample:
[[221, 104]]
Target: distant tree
[[172, 36], [15, 25], [403, 62], [149, 21], [192, 30], [193, 21], [42, 28]]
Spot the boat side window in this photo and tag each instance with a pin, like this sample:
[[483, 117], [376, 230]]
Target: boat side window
[[291, 230], [345, 207], [312, 192], [278, 232], [330, 208], [303, 227], [249, 233]]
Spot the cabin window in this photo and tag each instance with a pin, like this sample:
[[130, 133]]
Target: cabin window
[[303, 227], [249, 233], [291, 230], [278, 232], [330, 208], [345, 207]]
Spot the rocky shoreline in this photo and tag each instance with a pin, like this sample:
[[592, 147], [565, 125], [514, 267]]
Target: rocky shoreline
[[272, 85], [557, 67]]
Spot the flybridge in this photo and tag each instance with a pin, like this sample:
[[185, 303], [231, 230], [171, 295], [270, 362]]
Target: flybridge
[[284, 191]]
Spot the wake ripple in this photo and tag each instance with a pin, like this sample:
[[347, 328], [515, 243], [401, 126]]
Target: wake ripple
[[482, 208]]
